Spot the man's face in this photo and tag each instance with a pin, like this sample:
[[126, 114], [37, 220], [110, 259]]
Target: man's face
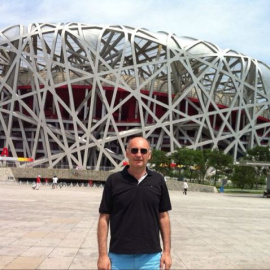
[[138, 152]]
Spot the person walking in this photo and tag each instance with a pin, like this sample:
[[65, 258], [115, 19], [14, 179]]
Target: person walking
[[185, 187], [55, 179], [38, 181], [135, 205]]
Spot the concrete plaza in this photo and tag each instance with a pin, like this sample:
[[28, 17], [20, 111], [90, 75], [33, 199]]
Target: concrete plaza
[[56, 229]]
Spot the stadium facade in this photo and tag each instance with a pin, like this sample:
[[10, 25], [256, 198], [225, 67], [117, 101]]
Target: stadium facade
[[73, 94]]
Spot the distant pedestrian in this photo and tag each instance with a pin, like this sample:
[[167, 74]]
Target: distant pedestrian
[[185, 187], [55, 179], [38, 182]]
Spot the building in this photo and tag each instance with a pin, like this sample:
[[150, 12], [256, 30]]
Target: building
[[71, 95]]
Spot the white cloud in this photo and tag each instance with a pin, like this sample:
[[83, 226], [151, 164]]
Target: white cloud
[[241, 25]]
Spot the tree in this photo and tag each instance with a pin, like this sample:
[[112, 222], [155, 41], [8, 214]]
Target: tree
[[203, 162], [243, 176], [160, 161], [259, 154], [184, 159], [221, 162], [183, 156]]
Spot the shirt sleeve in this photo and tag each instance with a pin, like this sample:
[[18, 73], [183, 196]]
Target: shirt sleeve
[[165, 202], [106, 200]]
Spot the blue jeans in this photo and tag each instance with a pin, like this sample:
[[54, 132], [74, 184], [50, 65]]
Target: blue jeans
[[135, 261]]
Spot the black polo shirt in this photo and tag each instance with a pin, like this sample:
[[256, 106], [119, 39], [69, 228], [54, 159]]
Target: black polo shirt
[[134, 211]]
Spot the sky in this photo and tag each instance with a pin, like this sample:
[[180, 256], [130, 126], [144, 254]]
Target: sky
[[240, 25]]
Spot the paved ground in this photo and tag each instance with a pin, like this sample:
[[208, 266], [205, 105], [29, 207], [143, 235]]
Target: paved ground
[[56, 229]]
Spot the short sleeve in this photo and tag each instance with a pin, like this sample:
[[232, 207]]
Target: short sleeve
[[165, 202], [106, 200]]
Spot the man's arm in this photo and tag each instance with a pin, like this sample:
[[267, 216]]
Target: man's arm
[[165, 228], [102, 235]]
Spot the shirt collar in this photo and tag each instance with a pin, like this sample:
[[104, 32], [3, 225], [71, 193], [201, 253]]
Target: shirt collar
[[125, 170]]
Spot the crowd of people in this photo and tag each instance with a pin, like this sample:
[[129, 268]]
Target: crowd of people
[[37, 184]]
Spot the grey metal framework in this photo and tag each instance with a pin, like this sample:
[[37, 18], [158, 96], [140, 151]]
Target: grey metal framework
[[73, 94]]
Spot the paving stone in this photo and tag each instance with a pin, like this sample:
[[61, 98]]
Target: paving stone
[[56, 229], [5, 260], [25, 263]]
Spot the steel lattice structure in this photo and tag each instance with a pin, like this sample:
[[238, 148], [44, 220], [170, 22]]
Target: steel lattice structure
[[72, 94]]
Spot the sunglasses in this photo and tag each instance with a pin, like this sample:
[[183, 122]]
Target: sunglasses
[[134, 151]]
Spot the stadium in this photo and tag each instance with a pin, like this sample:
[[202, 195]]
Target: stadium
[[73, 94]]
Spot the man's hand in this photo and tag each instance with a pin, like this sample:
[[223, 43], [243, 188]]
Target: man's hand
[[104, 263], [165, 261]]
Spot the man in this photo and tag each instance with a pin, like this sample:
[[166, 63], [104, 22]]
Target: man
[[185, 187], [38, 182], [134, 204], [55, 179]]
